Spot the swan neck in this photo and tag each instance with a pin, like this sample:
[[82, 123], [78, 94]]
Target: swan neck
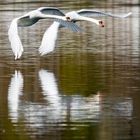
[[89, 19], [52, 16]]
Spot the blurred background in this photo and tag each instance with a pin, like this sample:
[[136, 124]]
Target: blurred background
[[88, 88]]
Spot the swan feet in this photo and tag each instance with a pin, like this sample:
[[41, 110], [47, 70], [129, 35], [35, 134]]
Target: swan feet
[[101, 23]]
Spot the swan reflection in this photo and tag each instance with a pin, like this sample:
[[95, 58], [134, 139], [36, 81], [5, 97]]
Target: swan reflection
[[15, 90], [59, 108], [49, 87]]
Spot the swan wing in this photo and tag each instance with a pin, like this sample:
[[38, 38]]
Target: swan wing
[[51, 11], [26, 21], [70, 25], [49, 39], [95, 13], [14, 39], [50, 36]]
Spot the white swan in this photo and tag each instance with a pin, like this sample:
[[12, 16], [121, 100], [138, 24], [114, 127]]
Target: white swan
[[30, 19], [50, 36]]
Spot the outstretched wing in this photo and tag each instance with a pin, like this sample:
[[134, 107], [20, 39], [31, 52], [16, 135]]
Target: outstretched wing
[[14, 39], [94, 13], [51, 11], [49, 39], [26, 21], [70, 25]]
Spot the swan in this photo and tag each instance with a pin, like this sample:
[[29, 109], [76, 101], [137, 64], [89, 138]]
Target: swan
[[31, 18], [50, 35]]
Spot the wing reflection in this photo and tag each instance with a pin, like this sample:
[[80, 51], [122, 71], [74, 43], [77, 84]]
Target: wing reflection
[[15, 90], [49, 87], [51, 94]]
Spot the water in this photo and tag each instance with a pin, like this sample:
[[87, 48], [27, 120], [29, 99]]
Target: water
[[87, 89]]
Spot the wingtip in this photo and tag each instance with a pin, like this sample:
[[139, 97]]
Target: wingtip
[[130, 13], [41, 53], [16, 58]]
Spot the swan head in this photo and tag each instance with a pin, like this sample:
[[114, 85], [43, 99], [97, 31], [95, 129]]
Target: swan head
[[101, 23], [72, 16], [68, 18]]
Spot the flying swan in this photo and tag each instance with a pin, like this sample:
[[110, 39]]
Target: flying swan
[[50, 35], [30, 19], [42, 13], [61, 20]]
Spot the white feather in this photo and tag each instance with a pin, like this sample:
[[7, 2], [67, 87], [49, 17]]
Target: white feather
[[16, 44], [49, 38]]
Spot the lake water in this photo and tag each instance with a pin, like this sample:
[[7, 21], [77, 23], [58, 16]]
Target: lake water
[[88, 88]]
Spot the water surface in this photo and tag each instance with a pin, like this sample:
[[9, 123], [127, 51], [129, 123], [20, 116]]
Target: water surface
[[87, 89]]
